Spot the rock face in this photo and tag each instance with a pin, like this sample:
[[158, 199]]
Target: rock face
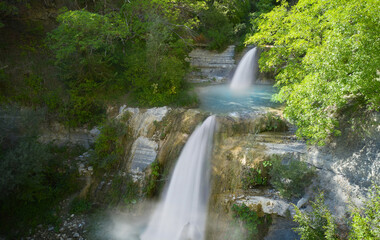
[[211, 66], [155, 134], [348, 166], [144, 152], [345, 169], [60, 135]]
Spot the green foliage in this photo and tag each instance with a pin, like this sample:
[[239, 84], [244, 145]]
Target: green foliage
[[35, 176], [290, 179], [152, 187], [80, 205], [366, 222], [260, 7], [8, 9], [139, 49], [108, 145], [32, 93], [4, 85], [275, 123], [317, 224], [320, 224], [216, 28], [253, 224], [320, 51], [87, 48], [124, 190], [257, 176]]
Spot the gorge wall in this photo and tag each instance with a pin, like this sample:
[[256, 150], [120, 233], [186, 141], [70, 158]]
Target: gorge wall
[[344, 169]]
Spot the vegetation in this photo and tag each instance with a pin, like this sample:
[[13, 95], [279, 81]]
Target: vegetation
[[317, 224], [152, 186], [108, 147], [325, 55], [80, 205], [251, 221], [365, 222], [35, 176], [320, 224], [256, 176], [320, 51], [291, 179], [123, 191]]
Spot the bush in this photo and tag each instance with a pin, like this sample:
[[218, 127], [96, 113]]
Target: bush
[[320, 224], [108, 145], [317, 224], [257, 176], [366, 222], [291, 179]]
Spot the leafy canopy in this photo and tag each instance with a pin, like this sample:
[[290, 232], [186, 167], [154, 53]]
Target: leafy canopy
[[326, 57]]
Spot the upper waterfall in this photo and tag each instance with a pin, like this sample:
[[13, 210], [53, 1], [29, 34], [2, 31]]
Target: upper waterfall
[[246, 71], [181, 213]]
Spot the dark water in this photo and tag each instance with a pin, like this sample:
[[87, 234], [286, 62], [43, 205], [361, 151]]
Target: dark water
[[221, 99]]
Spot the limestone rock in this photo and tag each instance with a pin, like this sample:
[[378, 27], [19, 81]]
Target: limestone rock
[[265, 205], [142, 122], [144, 152], [211, 66]]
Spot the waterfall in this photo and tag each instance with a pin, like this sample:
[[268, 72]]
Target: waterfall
[[246, 71], [181, 213]]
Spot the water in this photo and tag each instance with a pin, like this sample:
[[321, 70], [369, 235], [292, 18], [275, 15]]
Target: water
[[221, 99], [181, 214], [246, 71]]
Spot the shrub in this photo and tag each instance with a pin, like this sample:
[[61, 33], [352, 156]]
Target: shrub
[[317, 224], [320, 224], [290, 179], [366, 222], [108, 145]]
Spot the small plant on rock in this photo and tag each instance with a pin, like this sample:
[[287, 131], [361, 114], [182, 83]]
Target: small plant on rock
[[257, 176]]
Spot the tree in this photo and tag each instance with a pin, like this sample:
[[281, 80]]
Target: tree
[[325, 56]]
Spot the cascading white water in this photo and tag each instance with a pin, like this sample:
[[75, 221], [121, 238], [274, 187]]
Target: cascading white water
[[246, 71], [181, 213]]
